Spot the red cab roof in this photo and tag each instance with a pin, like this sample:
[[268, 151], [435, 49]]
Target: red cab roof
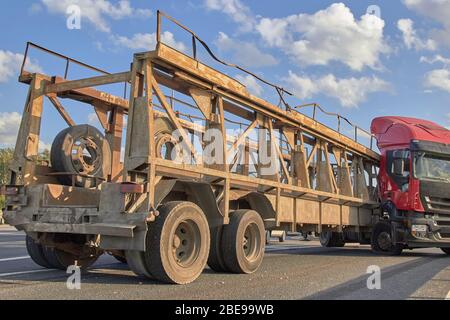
[[399, 131]]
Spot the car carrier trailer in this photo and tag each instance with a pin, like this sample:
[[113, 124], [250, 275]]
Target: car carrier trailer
[[168, 219]]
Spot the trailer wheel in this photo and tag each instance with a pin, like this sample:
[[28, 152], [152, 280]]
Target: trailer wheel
[[59, 259], [36, 253], [216, 259], [381, 240], [81, 150], [178, 243], [136, 262], [331, 239], [243, 241], [446, 250]]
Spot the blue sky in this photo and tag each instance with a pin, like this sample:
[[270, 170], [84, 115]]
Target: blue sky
[[332, 53]]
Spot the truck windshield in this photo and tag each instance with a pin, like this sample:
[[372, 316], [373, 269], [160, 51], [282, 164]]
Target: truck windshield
[[434, 167]]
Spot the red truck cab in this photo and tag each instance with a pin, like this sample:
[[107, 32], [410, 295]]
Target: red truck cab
[[413, 184]]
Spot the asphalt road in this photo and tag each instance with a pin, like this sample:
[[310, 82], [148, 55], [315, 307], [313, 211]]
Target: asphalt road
[[292, 270]]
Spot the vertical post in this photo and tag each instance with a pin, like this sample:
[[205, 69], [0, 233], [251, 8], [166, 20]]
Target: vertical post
[[158, 27], [194, 47], [27, 145], [151, 178], [66, 72], [114, 138], [226, 195], [25, 57]]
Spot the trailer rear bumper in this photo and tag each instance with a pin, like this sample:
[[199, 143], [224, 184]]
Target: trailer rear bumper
[[104, 229]]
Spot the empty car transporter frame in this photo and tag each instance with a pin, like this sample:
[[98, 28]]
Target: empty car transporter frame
[[167, 219]]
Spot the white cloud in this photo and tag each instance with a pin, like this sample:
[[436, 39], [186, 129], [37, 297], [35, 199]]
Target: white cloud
[[43, 146], [251, 83], [436, 58], [147, 41], [244, 53], [10, 64], [349, 91], [9, 127], [93, 118], [236, 10], [438, 78], [410, 37], [97, 11], [332, 34], [438, 10]]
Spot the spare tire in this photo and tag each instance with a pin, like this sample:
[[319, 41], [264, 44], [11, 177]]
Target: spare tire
[[84, 151]]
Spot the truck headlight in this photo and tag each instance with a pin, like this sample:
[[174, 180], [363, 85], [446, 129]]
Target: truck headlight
[[419, 228]]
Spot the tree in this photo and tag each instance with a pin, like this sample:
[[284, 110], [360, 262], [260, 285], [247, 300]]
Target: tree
[[6, 156]]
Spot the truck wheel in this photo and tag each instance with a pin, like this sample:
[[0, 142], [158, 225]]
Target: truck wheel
[[36, 252], [243, 241], [136, 262], [59, 259], [215, 259], [178, 243], [446, 250], [331, 239], [81, 150], [381, 240]]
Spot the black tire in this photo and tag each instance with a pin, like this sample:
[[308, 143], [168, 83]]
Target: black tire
[[36, 253], [331, 239], [59, 259], [381, 240], [178, 243], [215, 259], [81, 150], [446, 250], [136, 262], [244, 226], [283, 237]]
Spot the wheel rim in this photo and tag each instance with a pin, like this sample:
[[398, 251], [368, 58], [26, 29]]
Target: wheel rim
[[251, 242], [86, 157], [186, 243], [384, 240]]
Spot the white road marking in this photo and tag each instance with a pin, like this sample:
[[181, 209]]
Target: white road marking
[[15, 258], [25, 272]]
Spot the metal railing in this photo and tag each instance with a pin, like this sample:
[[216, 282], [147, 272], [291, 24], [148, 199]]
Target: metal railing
[[280, 91], [68, 62]]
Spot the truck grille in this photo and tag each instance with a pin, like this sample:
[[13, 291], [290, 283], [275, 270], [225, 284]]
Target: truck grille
[[439, 205]]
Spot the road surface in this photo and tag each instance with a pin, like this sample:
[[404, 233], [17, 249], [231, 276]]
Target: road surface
[[292, 270]]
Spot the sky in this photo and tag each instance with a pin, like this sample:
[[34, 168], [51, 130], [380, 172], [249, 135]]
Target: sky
[[361, 59]]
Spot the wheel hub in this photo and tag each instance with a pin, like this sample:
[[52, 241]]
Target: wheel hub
[[186, 243], [85, 155], [384, 240], [251, 243]]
